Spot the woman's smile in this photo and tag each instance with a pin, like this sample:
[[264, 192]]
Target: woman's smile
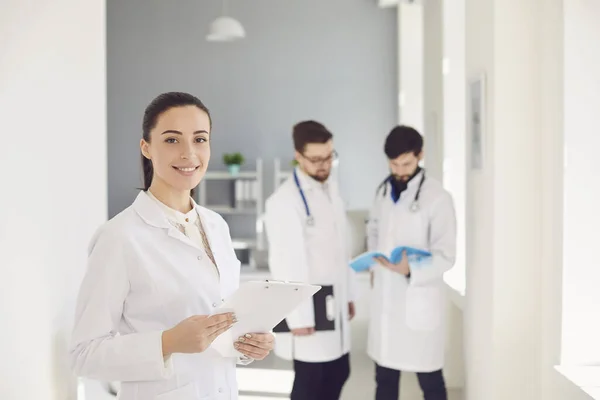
[[186, 171]]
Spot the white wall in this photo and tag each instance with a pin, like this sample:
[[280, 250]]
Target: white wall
[[479, 217], [433, 84], [503, 267], [53, 174], [454, 124], [410, 65], [581, 332], [514, 204], [444, 157], [553, 387]]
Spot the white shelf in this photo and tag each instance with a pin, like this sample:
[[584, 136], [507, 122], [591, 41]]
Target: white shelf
[[252, 208], [280, 175], [232, 211], [224, 175], [242, 244]]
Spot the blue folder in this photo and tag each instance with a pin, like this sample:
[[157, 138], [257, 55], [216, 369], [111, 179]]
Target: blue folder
[[367, 260]]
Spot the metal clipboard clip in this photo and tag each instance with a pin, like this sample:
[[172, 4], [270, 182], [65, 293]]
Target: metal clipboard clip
[[284, 282]]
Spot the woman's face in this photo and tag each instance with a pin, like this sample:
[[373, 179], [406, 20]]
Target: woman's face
[[179, 147]]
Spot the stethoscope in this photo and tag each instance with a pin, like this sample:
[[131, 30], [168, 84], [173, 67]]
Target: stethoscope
[[414, 206], [310, 220]]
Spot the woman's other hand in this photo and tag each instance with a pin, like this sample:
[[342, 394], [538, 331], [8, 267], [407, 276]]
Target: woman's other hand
[[195, 334], [255, 345]]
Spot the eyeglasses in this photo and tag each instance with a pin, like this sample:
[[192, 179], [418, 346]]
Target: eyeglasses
[[321, 161]]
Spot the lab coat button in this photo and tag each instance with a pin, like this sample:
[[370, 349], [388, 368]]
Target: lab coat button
[[214, 304], [199, 257], [220, 390]]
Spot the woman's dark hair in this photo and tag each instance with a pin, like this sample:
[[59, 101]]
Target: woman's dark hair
[[306, 132], [159, 105], [401, 140]]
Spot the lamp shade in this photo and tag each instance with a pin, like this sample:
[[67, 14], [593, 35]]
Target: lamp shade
[[225, 29]]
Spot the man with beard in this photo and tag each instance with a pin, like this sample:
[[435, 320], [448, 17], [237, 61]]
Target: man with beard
[[307, 234], [407, 316]]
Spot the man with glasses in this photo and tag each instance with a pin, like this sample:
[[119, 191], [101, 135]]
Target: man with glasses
[[306, 229]]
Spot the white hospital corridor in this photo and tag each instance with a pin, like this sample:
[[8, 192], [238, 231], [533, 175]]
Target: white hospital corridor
[[299, 199]]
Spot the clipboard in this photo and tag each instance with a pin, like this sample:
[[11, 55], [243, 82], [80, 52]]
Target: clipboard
[[323, 320], [259, 306]]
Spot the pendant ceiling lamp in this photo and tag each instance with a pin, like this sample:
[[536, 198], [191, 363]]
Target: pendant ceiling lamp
[[224, 28]]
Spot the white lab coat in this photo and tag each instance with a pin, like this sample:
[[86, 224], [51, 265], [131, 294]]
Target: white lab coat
[[144, 276], [407, 317], [317, 254]]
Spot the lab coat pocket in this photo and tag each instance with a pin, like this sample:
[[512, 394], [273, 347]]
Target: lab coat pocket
[[423, 308], [187, 392]]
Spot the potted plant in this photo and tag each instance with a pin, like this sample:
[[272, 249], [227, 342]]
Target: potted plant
[[233, 162]]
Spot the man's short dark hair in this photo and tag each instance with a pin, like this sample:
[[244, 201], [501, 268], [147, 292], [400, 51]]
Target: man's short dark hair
[[401, 140], [306, 132]]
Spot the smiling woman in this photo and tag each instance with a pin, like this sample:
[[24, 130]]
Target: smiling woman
[[175, 144], [157, 271]]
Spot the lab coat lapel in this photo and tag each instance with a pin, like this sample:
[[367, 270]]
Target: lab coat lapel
[[339, 210], [304, 180], [210, 228], [151, 214], [388, 207]]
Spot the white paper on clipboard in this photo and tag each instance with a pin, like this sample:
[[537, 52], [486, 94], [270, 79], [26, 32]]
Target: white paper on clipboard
[[259, 306]]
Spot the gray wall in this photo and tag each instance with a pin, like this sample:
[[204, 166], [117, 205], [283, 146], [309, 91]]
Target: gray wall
[[330, 60]]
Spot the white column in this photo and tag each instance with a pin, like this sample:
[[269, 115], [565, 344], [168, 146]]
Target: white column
[[433, 85], [410, 65], [581, 325], [53, 174], [551, 102], [454, 124], [479, 307], [555, 86], [452, 65], [504, 202]]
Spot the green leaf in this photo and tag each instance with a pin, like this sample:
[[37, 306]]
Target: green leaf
[[233, 159]]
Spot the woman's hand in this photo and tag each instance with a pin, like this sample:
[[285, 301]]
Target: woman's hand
[[255, 345], [303, 331], [195, 334]]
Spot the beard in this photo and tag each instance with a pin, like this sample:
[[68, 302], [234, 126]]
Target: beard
[[321, 175], [403, 179]]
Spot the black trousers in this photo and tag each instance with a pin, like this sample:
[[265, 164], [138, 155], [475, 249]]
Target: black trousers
[[320, 381], [388, 384]]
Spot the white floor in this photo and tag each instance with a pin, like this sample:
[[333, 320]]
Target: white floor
[[272, 379]]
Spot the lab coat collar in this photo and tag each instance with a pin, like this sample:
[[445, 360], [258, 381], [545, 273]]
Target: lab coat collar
[[152, 214], [177, 216], [149, 211], [412, 183], [308, 182], [416, 180]]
